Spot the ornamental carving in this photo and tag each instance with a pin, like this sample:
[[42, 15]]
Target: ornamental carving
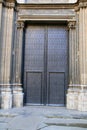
[[82, 4], [20, 24], [1, 1], [9, 5], [72, 24]]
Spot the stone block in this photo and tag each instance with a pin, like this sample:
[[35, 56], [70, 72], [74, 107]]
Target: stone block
[[82, 101], [6, 100], [18, 99], [72, 100]]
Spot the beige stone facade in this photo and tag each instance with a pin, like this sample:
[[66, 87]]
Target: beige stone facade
[[13, 19]]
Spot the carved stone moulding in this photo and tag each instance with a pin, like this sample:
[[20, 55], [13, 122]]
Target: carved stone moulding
[[81, 87]]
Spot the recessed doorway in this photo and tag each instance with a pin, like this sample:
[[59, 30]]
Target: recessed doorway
[[45, 64]]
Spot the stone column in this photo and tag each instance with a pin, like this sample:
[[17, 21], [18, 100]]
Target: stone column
[[0, 31], [17, 89], [6, 46], [0, 17], [72, 95], [82, 102]]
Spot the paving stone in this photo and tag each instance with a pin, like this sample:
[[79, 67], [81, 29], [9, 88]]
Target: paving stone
[[25, 123], [2, 119], [62, 128], [42, 118], [3, 126]]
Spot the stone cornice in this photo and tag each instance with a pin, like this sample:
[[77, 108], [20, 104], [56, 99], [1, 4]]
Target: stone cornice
[[46, 6]]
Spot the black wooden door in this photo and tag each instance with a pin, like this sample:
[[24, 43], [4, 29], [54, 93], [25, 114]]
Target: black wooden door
[[45, 66]]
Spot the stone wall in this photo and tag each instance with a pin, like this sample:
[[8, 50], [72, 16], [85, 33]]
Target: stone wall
[[13, 17]]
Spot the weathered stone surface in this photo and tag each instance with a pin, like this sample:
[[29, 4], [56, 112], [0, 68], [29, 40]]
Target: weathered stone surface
[[6, 98], [82, 101], [17, 97], [39, 118], [72, 99]]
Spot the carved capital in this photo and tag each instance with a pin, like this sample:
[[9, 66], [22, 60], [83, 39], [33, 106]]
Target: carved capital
[[82, 4], [9, 4], [72, 24], [82, 0], [20, 24], [1, 1]]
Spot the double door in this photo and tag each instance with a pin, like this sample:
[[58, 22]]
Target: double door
[[45, 64]]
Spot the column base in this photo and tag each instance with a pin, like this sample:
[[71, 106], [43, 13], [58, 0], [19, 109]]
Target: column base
[[17, 97], [72, 99], [6, 98], [82, 101]]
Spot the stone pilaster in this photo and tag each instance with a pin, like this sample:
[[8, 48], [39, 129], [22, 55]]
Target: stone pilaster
[[1, 6], [0, 32], [1, 17], [17, 89], [72, 95], [82, 102], [6, 54]]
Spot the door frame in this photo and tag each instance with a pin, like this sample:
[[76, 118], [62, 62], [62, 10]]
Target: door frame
[[59, 23]]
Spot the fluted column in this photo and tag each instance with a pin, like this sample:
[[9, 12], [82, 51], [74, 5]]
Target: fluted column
[[82, 7], [72, 42], [17, 88], [1, 6], [1, 17], [72, 95], [6, 53]]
